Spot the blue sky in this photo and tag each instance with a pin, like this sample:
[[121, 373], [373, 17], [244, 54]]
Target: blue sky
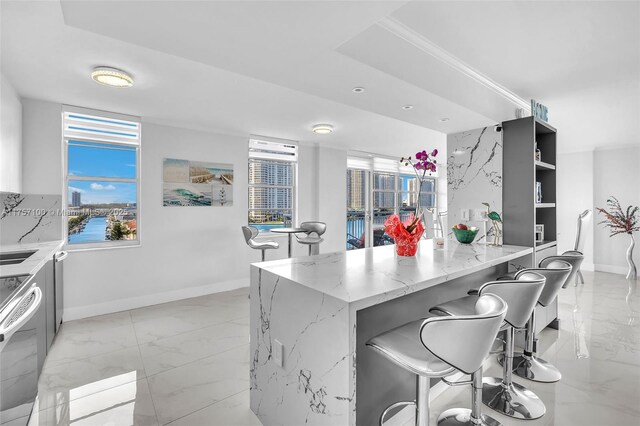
[[85, 160]]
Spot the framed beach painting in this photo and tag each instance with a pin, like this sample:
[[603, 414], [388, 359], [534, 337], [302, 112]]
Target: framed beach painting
[[196, 183]]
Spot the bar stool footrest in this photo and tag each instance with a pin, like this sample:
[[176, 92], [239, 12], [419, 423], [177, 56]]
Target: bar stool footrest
[[392, 406]]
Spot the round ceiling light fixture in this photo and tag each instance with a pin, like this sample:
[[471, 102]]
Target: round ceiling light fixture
[[444, 119], [407, 107], [358, 89], [322, 129], [111, 77]]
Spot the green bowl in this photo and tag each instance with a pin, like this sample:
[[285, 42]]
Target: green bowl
[[465, 236]]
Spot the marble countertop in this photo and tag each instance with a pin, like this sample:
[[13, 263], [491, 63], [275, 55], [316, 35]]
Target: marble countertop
[[358, 276], [44, 252]]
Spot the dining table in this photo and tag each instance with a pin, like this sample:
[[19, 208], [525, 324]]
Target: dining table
[[290, 232]]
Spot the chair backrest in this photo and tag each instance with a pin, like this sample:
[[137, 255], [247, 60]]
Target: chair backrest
[[250, 233], [573, 258], [583, 220], [556, 272], [464, 341], [317, 227], [520, 294]]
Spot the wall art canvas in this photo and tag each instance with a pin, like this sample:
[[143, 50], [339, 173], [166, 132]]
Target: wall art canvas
[[196, 183]]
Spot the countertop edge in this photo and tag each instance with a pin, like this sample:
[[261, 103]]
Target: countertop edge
[[44, 252]]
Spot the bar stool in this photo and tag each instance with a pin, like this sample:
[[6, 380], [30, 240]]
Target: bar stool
[[573, 258], [311, 237], [438, 346], [526, 365], [521, 295], [250, 233]]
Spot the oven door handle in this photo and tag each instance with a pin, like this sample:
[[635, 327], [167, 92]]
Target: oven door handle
[[21, 313]]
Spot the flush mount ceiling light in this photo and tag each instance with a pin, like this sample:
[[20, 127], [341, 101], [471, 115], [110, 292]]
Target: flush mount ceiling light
[[358, 89], [111, 77], [407, 107], [322, 129]]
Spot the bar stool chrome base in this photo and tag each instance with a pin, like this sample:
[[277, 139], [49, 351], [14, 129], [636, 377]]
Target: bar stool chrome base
[[511, 400], [462, 417], [534, 368]]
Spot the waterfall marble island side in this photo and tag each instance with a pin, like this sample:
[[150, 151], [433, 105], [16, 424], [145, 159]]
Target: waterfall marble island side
[[310, 317]]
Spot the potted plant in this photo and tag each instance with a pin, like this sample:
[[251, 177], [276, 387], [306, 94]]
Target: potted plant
[[622, 222], [407, 234]]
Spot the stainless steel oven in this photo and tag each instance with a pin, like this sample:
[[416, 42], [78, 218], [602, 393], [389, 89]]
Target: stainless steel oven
[[20, 317]]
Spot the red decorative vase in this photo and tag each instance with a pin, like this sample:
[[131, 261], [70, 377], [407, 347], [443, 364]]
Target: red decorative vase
[[406, 243]]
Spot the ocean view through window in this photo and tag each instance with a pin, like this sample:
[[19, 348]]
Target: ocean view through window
[[272, 178], [101, 180]]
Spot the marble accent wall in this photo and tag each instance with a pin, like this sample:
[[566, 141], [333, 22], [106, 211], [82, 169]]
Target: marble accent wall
[[30, 218], [474, 176]]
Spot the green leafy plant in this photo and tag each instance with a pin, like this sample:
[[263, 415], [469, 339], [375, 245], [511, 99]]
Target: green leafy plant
[[620, 221]]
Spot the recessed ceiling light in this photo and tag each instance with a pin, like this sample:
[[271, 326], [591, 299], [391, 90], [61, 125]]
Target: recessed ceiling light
[[444, 119], [322, 129], [358, 89], [407, 107], [111, 77]]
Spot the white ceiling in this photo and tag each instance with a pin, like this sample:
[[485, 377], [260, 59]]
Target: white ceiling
[[276, 68]]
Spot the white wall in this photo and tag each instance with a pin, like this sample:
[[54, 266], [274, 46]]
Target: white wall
[[332, 197], [10, 138], [185, 251], [574, 186], [616, 172]]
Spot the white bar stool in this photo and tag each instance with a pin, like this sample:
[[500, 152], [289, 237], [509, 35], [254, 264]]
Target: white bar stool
[[438, 346], [250, 233], [521, 297]]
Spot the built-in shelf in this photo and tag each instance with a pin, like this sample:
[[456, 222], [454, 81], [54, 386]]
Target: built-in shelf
[[541, 165], [545, 205], [544, 244]]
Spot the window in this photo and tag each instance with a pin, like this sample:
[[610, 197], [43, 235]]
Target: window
[[272, 177], [102, 184]]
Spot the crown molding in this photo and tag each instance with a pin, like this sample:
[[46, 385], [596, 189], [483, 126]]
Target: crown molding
[[409, 35]]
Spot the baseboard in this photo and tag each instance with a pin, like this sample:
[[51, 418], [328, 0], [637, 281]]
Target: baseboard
[[613, 269], [587, 267], [70, 314]]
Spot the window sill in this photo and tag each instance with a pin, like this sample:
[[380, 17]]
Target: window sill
[[80, 247]]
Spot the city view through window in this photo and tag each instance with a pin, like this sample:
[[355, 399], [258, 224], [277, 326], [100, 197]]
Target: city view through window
[[271, 192], [101, 192]]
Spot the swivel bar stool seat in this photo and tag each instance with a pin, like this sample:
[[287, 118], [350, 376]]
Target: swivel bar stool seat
[[573, 258], [521, 295], [527, 365], [438, 346], [312, 235], [250, 233]]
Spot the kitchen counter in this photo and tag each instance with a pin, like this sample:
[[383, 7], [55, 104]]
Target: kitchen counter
[[310, 317], [44, 252]]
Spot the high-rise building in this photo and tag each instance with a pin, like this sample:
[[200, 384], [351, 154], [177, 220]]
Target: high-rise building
[[270, 194], [355, 189], [76, 200]]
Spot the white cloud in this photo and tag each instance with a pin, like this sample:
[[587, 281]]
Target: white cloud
[[73, 188], [100, 187]]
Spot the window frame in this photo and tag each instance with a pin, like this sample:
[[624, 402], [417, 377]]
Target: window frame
[[108, 244], [293, 187]]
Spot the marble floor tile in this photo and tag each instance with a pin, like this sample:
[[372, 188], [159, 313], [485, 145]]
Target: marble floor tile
[[191, 387], [232, 411], [80, 341], [184, 320], [86, 376], [170, 352], [127, 404]]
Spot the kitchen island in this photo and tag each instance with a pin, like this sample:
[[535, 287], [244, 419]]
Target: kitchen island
[[310, 318]]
